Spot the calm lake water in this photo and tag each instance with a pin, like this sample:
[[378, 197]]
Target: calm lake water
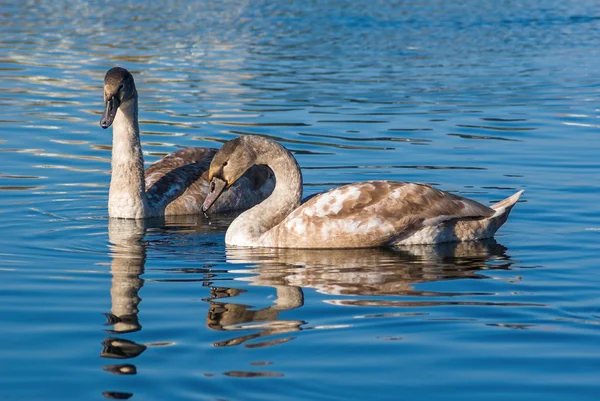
[[481, 98]]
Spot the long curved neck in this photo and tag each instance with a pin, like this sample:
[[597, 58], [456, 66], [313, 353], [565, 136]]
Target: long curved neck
[[127, 195], [247, 229]]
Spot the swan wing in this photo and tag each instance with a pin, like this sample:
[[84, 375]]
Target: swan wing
[[177, 173], [166, 168], [371, 213], [179, 183]]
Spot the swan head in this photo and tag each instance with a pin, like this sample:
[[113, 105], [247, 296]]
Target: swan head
[[228, 165], [119, 87]]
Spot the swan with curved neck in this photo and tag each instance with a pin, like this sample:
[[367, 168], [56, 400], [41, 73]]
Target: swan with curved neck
[[174, 185], [359, 215]]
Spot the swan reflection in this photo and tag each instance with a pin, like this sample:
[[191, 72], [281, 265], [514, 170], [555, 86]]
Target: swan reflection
[[344, 272], [357, 277], [373, 271], [128, 253], [236, 317]]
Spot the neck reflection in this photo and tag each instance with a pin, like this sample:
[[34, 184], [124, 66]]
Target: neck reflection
[[128, 254]]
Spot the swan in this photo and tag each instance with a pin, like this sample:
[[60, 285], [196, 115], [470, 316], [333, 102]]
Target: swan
[[175, 185], [359, 215]]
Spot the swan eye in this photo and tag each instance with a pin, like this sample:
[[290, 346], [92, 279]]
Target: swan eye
[[224, 164]]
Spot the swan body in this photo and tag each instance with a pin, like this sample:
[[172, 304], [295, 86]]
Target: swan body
[[358, 215], [175, 185]]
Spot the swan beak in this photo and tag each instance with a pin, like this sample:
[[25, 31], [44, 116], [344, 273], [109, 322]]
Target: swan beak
[[217, 186], [110, 111]]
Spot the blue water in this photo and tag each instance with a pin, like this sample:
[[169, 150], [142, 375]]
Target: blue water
[[481, 98]]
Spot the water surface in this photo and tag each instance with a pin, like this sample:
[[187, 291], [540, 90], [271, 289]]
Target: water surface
[[477, 98]]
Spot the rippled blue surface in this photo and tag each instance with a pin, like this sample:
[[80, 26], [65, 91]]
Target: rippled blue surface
[[479, 98]]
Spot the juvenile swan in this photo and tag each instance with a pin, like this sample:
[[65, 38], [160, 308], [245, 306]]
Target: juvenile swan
[[359, 215], [174, 185]]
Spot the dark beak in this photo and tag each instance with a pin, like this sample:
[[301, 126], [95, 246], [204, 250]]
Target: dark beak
[[110, 112], [217, 186]]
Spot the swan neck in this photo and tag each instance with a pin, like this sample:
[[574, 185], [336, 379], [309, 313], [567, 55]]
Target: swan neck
[[249, 228], [127, 196]]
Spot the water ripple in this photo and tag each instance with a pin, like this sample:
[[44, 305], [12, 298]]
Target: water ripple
[[497, 98]]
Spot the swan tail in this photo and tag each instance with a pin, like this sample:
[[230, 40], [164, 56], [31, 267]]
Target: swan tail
[[504, 206]]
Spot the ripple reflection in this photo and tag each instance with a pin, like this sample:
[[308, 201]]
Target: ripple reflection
[[371, 274], [128, 260], [376, 271]]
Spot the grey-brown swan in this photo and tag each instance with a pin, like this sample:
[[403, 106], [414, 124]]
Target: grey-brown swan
[[359, 215], [176, 184]]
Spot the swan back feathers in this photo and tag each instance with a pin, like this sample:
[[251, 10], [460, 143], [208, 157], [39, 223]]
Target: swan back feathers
[[371, 213]]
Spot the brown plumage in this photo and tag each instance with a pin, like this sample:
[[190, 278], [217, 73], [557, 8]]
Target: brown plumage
[[359, 215], [373, 213], [174, 185], [180, 182]]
